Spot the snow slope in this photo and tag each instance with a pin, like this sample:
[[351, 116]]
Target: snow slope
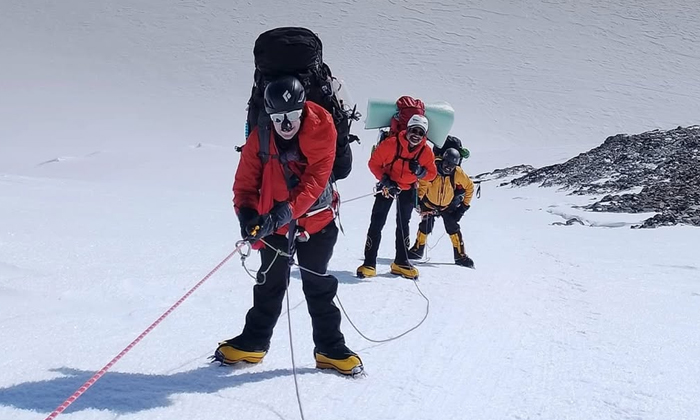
[[117, 122], [556, 74]]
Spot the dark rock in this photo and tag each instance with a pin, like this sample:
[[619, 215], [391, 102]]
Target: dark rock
[[505, 172], [569, 222], [664, 164]]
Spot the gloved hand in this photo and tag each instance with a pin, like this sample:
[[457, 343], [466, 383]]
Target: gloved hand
[[245, 216], [418, 170], [458, 198], [266, 224], [260, 227], [388, 187], [281, 213], [460, 210]]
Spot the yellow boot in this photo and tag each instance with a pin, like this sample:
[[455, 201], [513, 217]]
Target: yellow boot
[[347, 364], [405, 271], [416, 251], [366, 271], [229, 354]]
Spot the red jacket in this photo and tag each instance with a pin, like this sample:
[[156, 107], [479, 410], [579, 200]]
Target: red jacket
[[259, 188], [385, 160]]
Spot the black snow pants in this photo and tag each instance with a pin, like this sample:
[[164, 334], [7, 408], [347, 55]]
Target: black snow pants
[[405, 203], [318, 290], [451, 223]]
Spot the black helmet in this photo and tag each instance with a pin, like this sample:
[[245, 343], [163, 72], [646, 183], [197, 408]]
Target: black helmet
[[450, 160], [283, 95], [452, 157]]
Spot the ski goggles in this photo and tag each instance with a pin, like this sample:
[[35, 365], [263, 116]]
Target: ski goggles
[[291, 116]]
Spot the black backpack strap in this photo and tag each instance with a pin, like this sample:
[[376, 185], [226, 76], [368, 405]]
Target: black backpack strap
[[420, 152], [264, 153], [264, 131], [264, 141], [397, 155]]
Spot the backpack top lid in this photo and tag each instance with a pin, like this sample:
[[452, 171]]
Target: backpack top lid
[[287, 50], [407, 107]]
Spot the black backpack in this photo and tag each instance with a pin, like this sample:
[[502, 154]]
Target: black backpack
[[298, 52], [452, 142]]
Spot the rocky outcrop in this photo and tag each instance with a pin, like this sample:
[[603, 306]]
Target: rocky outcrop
[[504, 172], [657, 171]]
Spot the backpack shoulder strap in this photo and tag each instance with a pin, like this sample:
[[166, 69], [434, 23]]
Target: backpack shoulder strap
[[264, 153], [420, 152], [264, 131], [397, 155], [264, 142]]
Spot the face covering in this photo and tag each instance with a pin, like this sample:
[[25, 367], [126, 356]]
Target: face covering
[[414, 135], [287, 124]]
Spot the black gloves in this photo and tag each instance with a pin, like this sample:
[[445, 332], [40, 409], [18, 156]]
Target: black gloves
[[388, 187], [459, 195], [460, 210], [281, 214], [246, 215], [259, 226], [418, 170], [457, 199]]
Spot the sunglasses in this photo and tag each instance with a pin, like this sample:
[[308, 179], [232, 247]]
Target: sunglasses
[[291, 116]]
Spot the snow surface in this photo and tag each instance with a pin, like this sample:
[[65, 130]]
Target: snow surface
[[117, 127]]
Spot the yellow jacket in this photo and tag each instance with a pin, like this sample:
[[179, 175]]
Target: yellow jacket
[[438, 193]]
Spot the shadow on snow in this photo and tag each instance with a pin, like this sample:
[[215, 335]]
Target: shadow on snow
[[128, 392]]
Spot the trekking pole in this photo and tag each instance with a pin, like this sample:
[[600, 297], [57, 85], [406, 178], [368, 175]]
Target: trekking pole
[[101, 372]]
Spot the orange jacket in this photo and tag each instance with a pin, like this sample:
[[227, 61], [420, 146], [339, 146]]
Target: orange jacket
[[392, 156], [259, 187]]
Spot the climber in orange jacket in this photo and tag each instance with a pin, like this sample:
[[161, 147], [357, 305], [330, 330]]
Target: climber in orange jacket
[[398, 163]]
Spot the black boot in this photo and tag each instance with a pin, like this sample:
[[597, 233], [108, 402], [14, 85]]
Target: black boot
[[416, 251], [465, 261], [461, 257]]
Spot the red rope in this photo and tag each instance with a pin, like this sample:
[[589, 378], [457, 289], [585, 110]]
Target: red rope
[[102, 371]]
